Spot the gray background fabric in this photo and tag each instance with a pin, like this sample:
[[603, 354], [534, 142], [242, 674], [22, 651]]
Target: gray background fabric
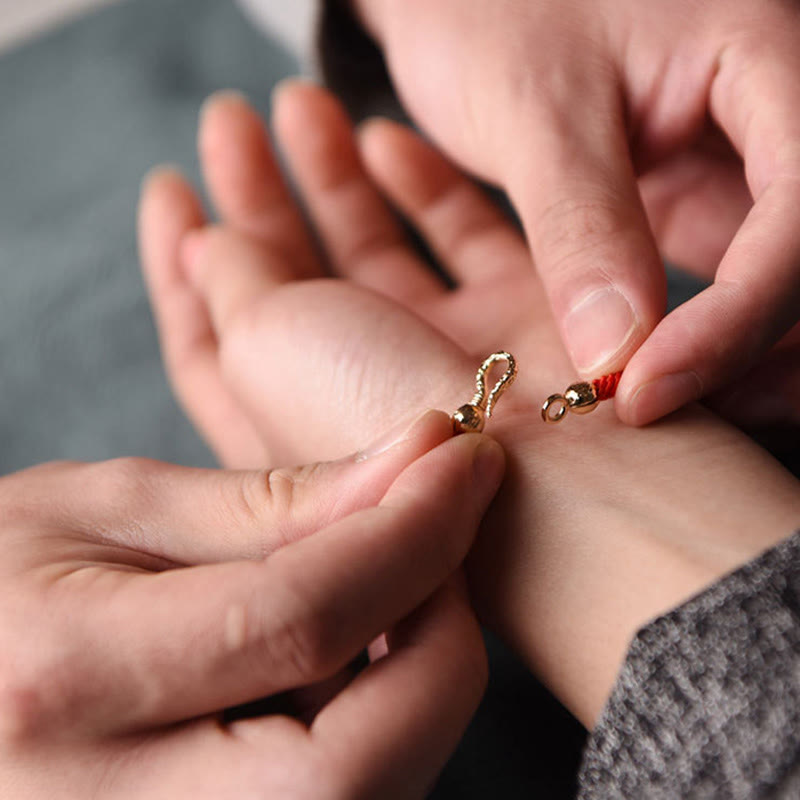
[[84, 114]]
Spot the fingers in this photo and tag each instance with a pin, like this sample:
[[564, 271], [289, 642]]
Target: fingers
[[155, 649], [755, 298], [395, 726], [388, 734], [467, 232], [169, 209], [195, 516], [246, 184], [360, 233], [579, 202]]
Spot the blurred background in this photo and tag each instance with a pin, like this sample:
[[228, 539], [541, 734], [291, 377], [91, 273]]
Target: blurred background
[[92, 94]]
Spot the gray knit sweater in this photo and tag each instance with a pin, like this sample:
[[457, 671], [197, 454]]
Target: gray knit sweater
[[708, 701]]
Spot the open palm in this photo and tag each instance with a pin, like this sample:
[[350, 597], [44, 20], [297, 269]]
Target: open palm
[[274, 359]]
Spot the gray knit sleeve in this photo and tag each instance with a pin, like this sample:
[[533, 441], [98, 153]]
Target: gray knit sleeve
[[707, 704]]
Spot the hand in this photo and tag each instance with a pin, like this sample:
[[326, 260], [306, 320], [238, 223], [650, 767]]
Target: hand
[[622, 128], [256, 335], [256, 377], [139, 600]]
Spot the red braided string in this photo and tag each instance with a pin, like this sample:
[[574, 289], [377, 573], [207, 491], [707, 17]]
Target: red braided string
[[606, 387]]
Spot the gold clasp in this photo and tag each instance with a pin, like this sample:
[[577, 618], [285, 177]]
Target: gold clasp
[[471, 418], [580, 398]]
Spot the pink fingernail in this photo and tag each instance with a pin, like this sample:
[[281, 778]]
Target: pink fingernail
[[598, 328]]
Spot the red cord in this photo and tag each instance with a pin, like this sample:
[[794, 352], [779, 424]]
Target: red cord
[[606, 387]]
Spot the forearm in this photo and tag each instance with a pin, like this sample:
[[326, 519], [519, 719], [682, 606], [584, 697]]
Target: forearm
[[582, 547], [708, 701]]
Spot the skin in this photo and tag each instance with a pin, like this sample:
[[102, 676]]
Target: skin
[[133, 614], [622, 131], [599, 526]]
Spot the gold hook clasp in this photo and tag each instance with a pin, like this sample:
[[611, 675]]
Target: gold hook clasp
[[471, 417]]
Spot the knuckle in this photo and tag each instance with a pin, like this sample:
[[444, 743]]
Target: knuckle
[[20, 710], [32, 693], [127, 483], [297, 641], [281, 491], [569, 229], [125, 476], [290, 641]]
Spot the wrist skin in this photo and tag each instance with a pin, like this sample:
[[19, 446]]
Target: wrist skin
[[600, 527]]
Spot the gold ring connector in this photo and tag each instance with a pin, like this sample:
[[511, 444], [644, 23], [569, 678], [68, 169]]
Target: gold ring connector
[[471, 417], [580, 398]]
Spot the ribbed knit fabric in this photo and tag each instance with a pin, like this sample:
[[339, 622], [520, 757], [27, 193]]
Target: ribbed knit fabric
[[708, 702]]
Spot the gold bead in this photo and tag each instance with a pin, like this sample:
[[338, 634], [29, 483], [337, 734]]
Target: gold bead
[[469, 419], [581, 398]]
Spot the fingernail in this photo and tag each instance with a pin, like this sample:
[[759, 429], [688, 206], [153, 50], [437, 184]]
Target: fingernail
[[403, 432], [192, 248], [222, 96], [664, 395], [598, 328], [488, 467]]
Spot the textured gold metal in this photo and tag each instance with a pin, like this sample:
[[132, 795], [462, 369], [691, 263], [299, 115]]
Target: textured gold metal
[[471, 417], [579, 398]]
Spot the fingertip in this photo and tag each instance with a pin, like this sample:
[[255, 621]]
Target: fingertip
[[288, 95], [223, 99], [481, 462], [293, 85], [226, 117], [489, 464], [160, 179], [375, 130], [168, 207], [301, 108], [380, 142], [660, 396]]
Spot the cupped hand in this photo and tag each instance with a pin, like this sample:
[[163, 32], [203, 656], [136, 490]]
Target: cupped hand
[[277, 360], [139, 600], [620, 129]]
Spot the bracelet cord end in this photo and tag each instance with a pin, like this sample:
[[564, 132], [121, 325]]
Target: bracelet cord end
[[580, 398]]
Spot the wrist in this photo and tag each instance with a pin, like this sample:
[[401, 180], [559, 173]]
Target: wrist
[[601, 527]]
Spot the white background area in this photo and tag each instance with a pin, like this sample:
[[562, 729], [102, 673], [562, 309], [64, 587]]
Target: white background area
[[22, 20]]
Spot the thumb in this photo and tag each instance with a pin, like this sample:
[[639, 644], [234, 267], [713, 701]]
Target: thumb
[[579, 201], [197, 516]]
